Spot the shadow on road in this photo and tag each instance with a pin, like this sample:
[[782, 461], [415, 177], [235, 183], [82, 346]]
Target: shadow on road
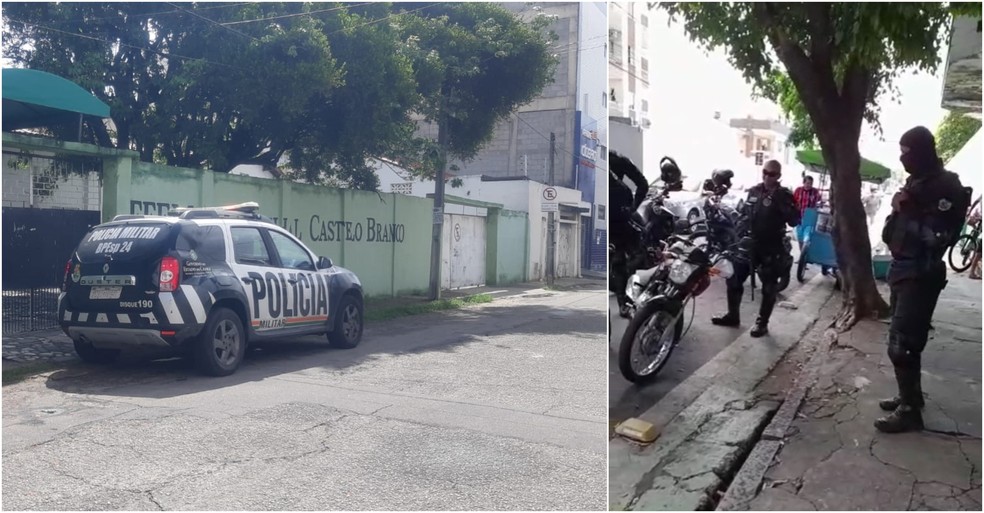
[[157, 375]]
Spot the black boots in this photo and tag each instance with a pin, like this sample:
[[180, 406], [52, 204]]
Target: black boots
[[906, 416], [761, 327], [732, 318], [895, 402]]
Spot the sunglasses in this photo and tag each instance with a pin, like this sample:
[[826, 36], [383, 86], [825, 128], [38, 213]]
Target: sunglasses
[[771, 174]]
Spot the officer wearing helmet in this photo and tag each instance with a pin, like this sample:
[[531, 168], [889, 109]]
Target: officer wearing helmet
[[927, 217], [768, 208]]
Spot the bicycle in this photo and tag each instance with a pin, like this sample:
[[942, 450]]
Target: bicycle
[[963, 251]]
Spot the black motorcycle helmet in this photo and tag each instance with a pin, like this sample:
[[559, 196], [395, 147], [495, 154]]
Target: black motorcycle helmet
[[669, 172], [722, 178]]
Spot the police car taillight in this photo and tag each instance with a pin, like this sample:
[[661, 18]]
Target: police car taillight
[[68, 269], [170, 274]]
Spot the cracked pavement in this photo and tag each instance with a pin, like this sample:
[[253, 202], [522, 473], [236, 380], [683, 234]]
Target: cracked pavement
[[832, 457], [497, 406]]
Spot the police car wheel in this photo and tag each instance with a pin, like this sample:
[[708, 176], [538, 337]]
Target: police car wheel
[[89, 354], [348, 324], [221, 345]]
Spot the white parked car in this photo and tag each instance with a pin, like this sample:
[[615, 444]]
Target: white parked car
[[689, 205]]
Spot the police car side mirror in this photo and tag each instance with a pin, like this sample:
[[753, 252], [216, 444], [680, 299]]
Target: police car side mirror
[[324, 263]]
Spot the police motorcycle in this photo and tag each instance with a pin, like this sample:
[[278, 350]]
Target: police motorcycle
[[660, 295], [652, 221]]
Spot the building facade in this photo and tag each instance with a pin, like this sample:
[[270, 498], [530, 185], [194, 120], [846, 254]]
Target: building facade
[[573, 108], [591, 132], [761, 140], [628, 63]]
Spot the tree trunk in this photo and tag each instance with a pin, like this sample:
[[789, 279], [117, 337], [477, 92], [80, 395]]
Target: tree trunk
[[861, 297]]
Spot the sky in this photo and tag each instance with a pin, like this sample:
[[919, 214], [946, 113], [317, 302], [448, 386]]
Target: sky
[[690, 84]]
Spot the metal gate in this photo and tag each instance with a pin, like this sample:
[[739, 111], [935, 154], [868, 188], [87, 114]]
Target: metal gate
[[37, 239], [463, 256], [567, 249]]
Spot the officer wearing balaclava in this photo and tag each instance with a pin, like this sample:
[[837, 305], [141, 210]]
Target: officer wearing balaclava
[[927, 216]]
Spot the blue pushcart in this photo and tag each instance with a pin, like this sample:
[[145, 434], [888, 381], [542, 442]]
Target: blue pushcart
[[817, 243]]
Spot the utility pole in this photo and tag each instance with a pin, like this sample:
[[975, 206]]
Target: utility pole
[[551, 228], [442, 143]]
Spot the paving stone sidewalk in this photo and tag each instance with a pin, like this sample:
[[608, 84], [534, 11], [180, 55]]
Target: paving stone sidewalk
[[834, 459], [53, 345]]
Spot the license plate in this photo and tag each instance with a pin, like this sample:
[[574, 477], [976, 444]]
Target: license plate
[[105, 292]]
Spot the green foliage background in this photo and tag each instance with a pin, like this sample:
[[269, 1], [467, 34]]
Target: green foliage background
[[325, 86]]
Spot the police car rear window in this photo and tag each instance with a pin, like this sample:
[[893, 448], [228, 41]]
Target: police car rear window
[[124, 242], [207, 242]]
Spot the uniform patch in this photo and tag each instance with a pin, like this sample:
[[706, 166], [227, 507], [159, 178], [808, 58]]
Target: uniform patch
[[945, 205], [752, 199], [767, 201]]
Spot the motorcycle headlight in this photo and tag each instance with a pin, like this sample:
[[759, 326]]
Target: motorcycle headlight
[[724, 268], [680, 271]]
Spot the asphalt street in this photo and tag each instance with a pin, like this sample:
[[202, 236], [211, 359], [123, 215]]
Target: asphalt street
[[497, 406], [702, 342]]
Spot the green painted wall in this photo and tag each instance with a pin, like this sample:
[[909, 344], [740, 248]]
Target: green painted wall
[[383, 238], [356, 229], [507, 247]]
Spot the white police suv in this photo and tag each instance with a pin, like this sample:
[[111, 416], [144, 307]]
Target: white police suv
[[203, 281]]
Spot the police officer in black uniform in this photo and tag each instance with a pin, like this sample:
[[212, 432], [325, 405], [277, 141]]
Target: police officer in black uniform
[[622, 236], [765, 214], [927, 216]]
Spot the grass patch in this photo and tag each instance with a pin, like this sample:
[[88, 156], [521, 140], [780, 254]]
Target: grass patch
[[385, 314], [18, 374]]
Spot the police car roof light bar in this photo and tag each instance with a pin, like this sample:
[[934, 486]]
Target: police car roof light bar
[[247, 210]]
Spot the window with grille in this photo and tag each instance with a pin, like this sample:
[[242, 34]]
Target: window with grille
[[759, 158]]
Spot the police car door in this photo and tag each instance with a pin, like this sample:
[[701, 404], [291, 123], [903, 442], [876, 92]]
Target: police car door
[[304, 290], [254, 264]]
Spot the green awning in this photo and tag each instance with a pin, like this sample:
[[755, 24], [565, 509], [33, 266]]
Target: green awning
[[34, 98], [870, 171]]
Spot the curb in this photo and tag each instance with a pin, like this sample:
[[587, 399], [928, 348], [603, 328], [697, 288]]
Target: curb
[[701, 427], [745, 485]]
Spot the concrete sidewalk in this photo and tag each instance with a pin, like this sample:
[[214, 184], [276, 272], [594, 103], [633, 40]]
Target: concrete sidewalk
[[34, 347], [832, 458]]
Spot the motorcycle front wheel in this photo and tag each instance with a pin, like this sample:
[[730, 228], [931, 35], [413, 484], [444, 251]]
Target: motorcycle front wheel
[[648, 342]]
